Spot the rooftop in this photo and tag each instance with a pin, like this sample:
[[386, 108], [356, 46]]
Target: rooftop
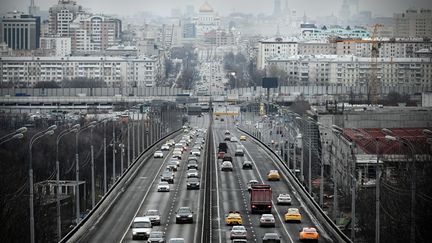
[[371, 139]]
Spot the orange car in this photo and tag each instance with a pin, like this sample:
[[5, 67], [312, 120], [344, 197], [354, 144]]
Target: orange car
[[308, 233]]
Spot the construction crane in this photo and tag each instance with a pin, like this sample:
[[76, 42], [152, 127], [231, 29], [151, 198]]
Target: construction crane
[[374, 84]]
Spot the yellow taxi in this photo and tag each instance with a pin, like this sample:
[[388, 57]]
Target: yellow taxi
[[273, 175], [293, 214], [233, 218], [308, 233], [242, 138]]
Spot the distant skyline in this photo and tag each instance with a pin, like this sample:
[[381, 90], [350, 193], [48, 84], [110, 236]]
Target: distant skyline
[[312, 8]]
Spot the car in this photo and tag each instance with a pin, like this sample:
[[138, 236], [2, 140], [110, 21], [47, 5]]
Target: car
[[176, 240], [167, 176], [177, 154], [165, 147], [179, 146], [308, 233], [192, 173], [163, 186], [141, 228], [227, 132], [226, 166], [267, 219], [238, 241], [195, 152], [184, 215], [197, 146], [233, 139], [154, 216], [238, 232], [227, 138], [271, 237], [239, 152], [233, 218], [216, 118], [192, 158], [222, 119], [247, 165], [251, 183], [292, 214], [273, 175], [176, 161], [284, 198], [192, 183], [227, 157], [158, 154], [170, 142], [171, 166], [192, 165], [156, 236], [220, 155], [242, 138]]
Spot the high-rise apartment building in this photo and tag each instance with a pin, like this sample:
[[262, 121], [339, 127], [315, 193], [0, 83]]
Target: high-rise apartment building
[[275, 47], [21, 31], [413, 23], [61, 15]]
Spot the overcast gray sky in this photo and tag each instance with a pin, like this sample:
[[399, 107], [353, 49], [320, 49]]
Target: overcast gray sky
[[163, 7]]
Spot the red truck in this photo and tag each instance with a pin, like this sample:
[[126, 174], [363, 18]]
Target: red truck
[[261, 199]]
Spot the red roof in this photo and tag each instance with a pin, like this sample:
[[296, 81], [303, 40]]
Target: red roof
[[367, 139]]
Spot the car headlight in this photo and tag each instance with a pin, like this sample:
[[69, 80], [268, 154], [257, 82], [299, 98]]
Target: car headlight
[[134, 233], [188, 184], [190, 216], [177, 216]]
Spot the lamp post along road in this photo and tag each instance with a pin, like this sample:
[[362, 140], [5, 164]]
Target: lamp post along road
[[58, 212], [105, 160], [48, 131], [92, 168], [113, 153]]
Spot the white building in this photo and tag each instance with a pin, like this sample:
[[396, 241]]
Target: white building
[[413, 23], [349, 70], [270, 48], [388, 47], [206, 21], [115, 71], [57, 46]]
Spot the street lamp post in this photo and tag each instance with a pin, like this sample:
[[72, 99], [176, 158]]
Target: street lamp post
[[113, 154], [413, 182], [105, 159], [59, 137], [48, 131], [77, 196], [17, 134]]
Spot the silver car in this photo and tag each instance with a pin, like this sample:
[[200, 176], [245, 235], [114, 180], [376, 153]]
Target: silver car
[[238, 232], [227, 166], [284, 198], [267, 220]]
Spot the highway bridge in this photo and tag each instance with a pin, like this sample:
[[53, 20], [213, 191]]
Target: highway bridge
[[220, 192]]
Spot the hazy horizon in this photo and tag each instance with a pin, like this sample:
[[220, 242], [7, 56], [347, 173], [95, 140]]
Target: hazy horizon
[[312, 8]]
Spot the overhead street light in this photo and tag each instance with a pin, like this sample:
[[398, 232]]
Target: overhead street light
[[48, 131]]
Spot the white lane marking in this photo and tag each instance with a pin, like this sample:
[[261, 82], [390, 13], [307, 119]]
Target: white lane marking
[[277, 211], [145, 196], [217, 191]]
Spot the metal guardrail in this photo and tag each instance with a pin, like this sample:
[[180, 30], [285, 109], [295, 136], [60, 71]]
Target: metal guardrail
[[329, 225], [108, 199]]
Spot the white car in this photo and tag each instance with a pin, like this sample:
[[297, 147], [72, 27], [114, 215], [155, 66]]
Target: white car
[[158, 154], [227, 166], [234, 139], [284, 198], [165, 147], [238, 232], [192, 173], [176, 240], [267, 220], [195, 152], [141, 228], [163, 186], [176, 161]]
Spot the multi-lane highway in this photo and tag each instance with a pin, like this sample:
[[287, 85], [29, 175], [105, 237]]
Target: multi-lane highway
[[142, 195], [233, 194], [219, 193]]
